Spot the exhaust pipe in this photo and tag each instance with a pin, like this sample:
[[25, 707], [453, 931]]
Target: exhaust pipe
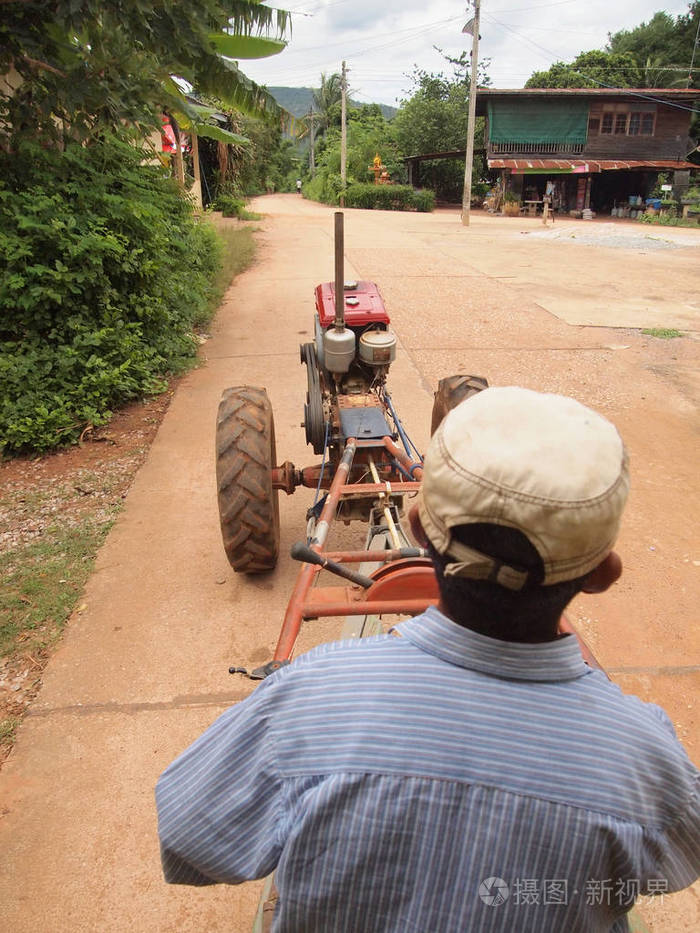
[[339, 321], [339, 341]]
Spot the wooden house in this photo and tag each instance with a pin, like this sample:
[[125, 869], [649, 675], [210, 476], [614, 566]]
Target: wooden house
[[588, 148]]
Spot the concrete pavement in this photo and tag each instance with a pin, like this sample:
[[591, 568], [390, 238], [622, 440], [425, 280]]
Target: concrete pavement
[[143, 669]]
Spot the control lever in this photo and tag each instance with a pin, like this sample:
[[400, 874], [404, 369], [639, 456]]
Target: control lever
[[307, 555]]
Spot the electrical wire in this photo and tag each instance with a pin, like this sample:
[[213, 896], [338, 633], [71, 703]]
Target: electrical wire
[[541, 6], [415, 31], [627, 91]]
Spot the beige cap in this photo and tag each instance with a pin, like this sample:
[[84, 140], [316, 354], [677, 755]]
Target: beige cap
[[543, 464]]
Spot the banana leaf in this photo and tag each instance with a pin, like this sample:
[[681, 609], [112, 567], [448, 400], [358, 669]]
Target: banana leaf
[[246, 46]]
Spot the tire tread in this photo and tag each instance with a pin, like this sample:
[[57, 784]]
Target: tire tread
[[245, 454]]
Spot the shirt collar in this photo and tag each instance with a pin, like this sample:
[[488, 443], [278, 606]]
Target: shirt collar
[[434, 633]]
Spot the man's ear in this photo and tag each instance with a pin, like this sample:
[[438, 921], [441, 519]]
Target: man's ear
[[416, 526], [604, 575]]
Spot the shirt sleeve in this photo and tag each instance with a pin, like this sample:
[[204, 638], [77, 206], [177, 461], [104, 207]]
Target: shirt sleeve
[[219, 804], [676, 851]]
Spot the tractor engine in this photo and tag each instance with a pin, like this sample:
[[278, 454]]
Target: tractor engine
[[365, 347], [350, 359]]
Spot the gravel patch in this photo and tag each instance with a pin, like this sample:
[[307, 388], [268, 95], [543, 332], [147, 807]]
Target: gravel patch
[[612, 238]]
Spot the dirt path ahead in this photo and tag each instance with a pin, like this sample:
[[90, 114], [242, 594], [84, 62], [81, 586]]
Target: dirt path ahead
[[143, 668]]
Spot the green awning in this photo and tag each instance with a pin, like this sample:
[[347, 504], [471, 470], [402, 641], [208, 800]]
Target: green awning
[[538, 121]]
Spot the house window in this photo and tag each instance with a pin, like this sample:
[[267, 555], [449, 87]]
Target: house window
[[647, 124], [621, 120], [593, 126], [620, 124]]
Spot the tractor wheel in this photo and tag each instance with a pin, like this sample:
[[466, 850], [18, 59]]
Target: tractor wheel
[[450, 392], [245, 455]]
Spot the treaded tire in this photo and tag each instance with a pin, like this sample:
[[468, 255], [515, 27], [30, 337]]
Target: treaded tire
[[450, 392], [245, 455]]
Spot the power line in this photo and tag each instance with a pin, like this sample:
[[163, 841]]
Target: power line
[[541, 6], [602, 84], [415, 30]]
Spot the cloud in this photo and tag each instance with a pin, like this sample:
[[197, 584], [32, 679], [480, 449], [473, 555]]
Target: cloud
[[381, 41]]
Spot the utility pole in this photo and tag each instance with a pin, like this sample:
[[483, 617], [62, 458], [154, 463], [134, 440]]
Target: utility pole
[[197, 187], [312, 161], [469, 163], [692, 59], [177, 155], [343, 132]]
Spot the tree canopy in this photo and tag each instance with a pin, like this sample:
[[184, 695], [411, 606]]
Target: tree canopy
[[74, 66], [591, 69], [434, 117], [657, 53]]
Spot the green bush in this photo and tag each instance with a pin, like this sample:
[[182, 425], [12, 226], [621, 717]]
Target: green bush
[[324, 187], [327, 187], [424, 200], [480, 189], [104, 273], [229, 205], [389, 198], [669, 220], [314, 189]]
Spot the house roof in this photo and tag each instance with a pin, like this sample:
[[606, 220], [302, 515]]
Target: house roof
[[672, 95], [588, 165]]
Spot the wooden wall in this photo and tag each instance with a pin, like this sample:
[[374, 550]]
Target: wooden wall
[[670, 139]]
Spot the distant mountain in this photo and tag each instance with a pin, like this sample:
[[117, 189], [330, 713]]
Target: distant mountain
[[298, 100]]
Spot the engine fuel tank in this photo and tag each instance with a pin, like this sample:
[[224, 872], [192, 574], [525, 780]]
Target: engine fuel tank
[[363, 304]]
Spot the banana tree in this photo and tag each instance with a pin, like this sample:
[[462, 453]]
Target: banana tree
[[80, 66]]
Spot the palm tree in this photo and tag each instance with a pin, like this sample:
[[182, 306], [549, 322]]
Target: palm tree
[[326, 97], [657, 73]]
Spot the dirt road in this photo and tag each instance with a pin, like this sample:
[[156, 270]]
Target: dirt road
[[143, 668]]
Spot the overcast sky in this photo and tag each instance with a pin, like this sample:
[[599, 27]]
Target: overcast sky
[[382, 41]]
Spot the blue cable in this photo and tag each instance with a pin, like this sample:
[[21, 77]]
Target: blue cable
[[406, 440], [399, 426], [323, 464], [401, 470]]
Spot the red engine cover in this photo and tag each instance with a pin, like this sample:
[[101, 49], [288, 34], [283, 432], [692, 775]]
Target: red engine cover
[[363, 305]]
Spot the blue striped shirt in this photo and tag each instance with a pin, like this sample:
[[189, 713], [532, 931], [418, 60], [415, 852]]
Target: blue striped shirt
[[439, 781]]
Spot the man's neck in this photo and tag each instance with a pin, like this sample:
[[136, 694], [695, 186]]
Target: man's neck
[[545, 630]]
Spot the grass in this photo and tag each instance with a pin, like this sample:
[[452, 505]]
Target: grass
[[7, 730], [42, 583], [238, 253], [663, 333], [43, 580]]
